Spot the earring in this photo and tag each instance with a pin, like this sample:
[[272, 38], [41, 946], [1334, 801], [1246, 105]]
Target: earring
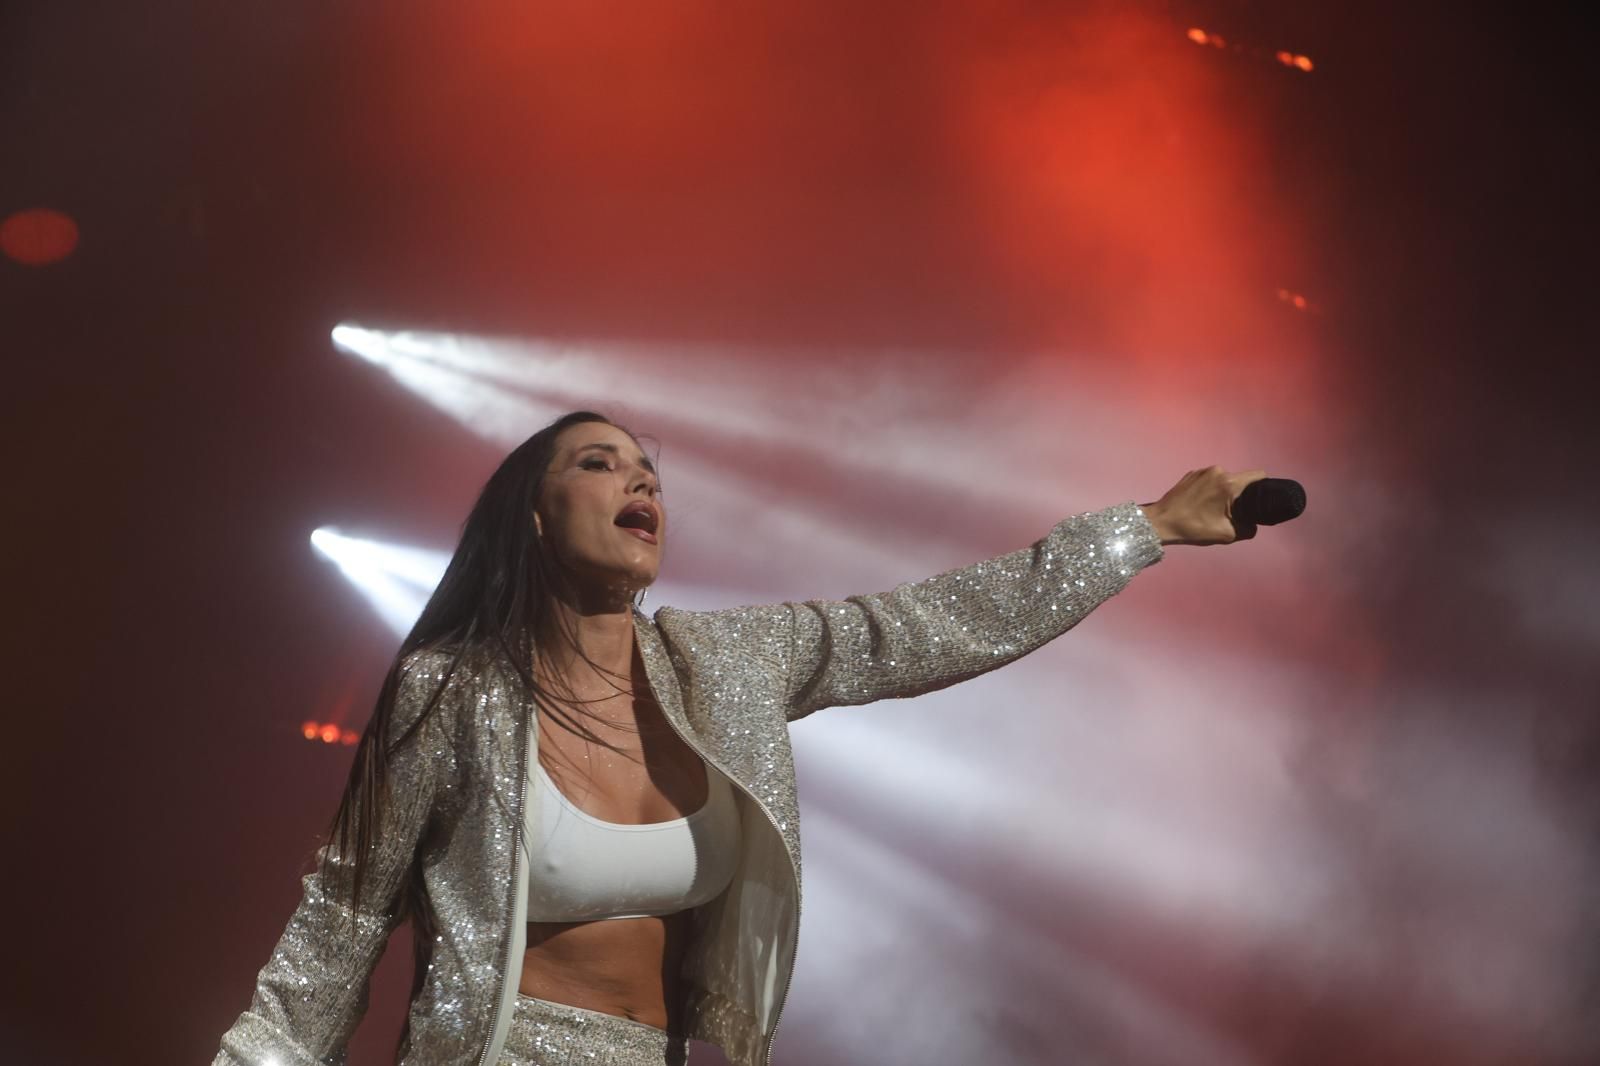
[[638, 601]]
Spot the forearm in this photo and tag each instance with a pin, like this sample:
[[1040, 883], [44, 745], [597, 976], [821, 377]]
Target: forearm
[[312, 992]]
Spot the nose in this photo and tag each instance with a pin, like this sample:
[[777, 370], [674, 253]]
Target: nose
[[643, 480]]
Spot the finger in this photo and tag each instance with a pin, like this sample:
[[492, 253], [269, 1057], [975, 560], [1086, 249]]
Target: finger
[[1246, 478]]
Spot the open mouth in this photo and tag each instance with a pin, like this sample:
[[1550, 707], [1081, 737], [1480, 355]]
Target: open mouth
[[640, 519]]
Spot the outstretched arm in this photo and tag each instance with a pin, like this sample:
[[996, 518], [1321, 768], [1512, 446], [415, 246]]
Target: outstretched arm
[[313, 989], [927, 635]]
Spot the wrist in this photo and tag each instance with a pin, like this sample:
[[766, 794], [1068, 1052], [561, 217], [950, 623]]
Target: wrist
[[1154, 514]]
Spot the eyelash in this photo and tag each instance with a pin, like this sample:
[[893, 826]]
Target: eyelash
[[596, 463]]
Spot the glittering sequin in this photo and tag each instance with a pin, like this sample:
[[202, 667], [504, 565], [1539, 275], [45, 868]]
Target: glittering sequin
[[730, 682], [554, 1034]]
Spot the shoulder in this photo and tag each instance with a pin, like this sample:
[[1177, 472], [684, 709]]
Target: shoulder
[[426, 664], [732, 624], [449, 678], [762, 633]]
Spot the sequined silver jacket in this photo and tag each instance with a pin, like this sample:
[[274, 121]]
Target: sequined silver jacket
[[729, 682]]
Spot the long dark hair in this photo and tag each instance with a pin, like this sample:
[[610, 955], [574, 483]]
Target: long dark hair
[[498, 600]]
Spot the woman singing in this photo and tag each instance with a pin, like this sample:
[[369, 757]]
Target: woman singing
[[589, 814]]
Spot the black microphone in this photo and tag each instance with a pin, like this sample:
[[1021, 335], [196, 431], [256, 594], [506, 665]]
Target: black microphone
[[1266, 501]]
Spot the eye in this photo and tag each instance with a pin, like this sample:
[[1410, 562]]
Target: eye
[[594, 462]]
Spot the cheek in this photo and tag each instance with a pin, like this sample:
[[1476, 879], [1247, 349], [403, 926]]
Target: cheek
[[588, 515]]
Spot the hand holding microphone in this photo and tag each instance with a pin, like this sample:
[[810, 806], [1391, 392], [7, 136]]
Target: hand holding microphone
[[1212, 506]]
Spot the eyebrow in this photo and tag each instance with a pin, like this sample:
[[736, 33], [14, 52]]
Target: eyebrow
[[644, 460]]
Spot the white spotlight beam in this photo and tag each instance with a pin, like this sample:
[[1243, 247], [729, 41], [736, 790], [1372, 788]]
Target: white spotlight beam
[[396, 581], [484, 406], [889, 417]]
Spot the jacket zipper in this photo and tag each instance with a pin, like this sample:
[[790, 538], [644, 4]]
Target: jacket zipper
[[794, 940], [794, 947], [511, 905]]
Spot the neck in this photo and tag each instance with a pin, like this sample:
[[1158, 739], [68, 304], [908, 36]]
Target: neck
[[603, 626]]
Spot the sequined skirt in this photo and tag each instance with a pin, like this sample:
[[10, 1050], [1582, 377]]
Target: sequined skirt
[[554, 1034]]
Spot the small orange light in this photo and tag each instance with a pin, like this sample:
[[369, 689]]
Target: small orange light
[[1217, 40], [348, 738], [1198, 36], [1286, 58], [1284, 294], [309, 730], [1299, 302], [329, 734], [1303, 62]]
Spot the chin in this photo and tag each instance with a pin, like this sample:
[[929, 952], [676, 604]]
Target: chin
[[635, 578], [641, 572]]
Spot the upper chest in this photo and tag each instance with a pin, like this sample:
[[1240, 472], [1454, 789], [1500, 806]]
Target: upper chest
[[620, 760]]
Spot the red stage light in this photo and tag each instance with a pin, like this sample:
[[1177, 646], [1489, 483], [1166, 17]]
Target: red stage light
[[1303, 62], [38, 236], [1198, 36], [1286, 58], [329, 733]]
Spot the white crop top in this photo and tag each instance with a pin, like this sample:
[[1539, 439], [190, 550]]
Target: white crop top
[[584, 869]]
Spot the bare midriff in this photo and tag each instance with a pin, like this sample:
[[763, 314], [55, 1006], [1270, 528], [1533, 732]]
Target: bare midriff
[[623, 966]]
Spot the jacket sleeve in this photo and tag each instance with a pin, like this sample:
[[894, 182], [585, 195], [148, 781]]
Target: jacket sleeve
[[313, 989], [929, 634]]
